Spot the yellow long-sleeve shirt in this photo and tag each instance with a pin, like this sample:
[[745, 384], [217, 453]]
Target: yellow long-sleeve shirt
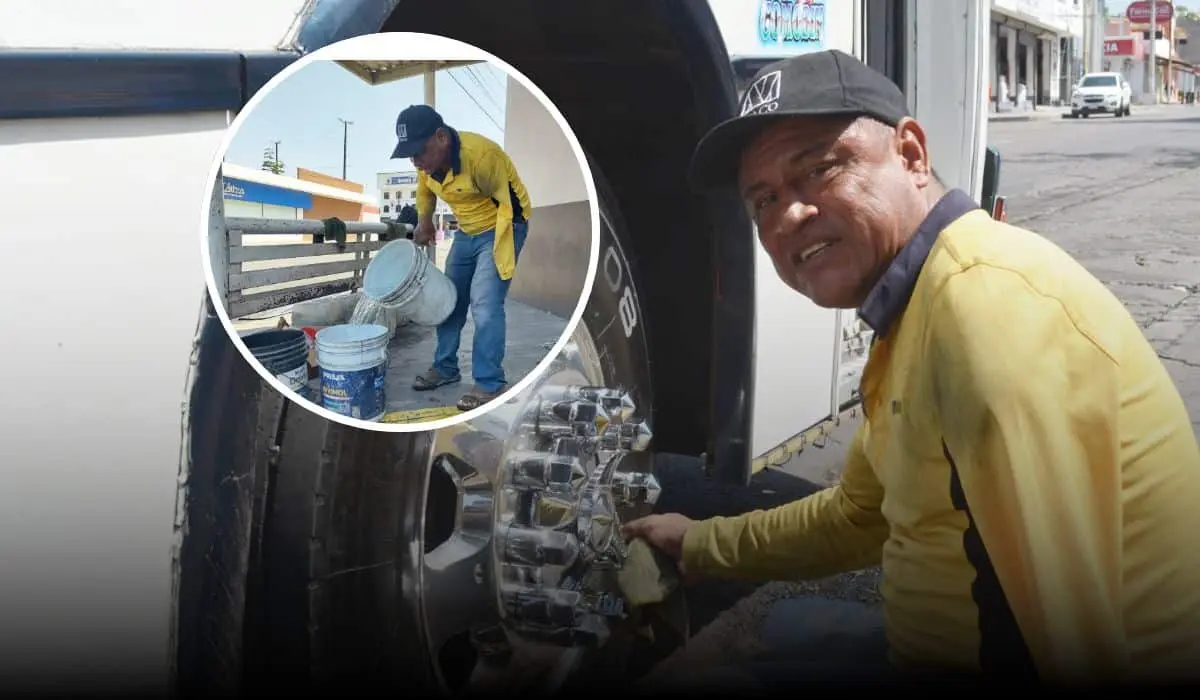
[[484, 190], [1027, 473]]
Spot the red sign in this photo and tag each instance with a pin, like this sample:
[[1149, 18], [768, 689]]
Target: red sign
[[1118, 47], [1139, 12]]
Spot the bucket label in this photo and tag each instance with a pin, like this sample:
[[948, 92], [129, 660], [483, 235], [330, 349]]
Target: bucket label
[[358, 394], [295, 379]]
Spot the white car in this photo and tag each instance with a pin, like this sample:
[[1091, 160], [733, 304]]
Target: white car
[[1101, 93]]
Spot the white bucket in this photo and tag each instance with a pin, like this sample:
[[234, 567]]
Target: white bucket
[[404, 279], [353, 361]]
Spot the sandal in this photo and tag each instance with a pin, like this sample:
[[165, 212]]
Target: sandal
[[432, 380], [476, 398]]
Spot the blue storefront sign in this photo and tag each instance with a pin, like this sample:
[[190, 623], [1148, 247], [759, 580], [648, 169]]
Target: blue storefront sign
[[406, 179], [245, 191], [794, 26]]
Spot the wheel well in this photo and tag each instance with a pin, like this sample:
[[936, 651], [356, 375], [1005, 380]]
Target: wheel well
[[631, 97]]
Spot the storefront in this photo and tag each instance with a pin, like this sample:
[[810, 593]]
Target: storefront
[[312, 195], [246, 197], [1035, 56], [1124, 55]]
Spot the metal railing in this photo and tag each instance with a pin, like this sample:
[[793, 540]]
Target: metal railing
[[265, 277]]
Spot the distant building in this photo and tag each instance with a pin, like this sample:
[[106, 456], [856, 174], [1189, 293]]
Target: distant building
[[1127, 48], [250, 192], [1045, 46], [399, 188]]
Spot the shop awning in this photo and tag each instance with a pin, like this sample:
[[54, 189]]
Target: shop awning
[[1029, 23], [379, 72], [1176, 64]]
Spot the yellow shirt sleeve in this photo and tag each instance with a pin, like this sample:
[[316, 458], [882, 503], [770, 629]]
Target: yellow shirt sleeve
[[1028, 405], [426, 199], [836, 530], [491, 177]]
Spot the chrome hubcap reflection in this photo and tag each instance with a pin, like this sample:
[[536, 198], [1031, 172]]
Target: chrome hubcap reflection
[[539, 488], [556, 544]]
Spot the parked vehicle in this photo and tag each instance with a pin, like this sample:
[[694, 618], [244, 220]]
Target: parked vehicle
[[1101, 93]]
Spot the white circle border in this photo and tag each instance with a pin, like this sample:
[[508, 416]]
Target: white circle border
[[414, 47]]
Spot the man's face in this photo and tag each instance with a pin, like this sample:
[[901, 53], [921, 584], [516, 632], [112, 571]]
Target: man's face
[[834, 200], [435, 155]]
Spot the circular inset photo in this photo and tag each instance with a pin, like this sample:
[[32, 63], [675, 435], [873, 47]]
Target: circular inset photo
[[402, 232]]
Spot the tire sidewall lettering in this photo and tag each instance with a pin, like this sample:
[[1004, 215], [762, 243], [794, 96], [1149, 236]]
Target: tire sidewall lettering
[[614, 276]]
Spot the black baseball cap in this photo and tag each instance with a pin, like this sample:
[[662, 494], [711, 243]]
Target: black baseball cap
[[814, 84], [415, 125]]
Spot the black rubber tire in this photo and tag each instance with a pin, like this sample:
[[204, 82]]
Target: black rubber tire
[[293, 530]]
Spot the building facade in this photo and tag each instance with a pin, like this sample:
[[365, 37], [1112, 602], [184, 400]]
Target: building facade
[[1041, 48], [1128, 49], [398, 188], [250, 192]]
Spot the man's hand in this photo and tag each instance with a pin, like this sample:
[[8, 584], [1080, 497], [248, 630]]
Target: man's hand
[[424, 232], [664, 532]]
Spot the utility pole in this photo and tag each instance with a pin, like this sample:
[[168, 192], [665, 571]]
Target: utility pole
[[276, 152], [1087, 37], [1154, 51], [345, 141]]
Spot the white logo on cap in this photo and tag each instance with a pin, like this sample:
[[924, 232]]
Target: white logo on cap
[[762, 96], [402, 131]]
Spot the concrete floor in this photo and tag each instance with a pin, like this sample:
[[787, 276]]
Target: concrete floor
[[531, 334]]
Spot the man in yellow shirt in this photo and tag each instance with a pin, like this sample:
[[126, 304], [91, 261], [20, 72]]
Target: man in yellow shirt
[[1027, 474], [479, 182]]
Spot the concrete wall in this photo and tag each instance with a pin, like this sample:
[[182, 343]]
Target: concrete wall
[[553, 265]]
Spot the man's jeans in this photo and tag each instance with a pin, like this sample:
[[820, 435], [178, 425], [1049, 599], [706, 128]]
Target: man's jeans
[[472, 269]]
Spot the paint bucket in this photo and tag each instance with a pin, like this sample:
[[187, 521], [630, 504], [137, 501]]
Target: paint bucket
[[284, 353], [353, 362], [403, 278]]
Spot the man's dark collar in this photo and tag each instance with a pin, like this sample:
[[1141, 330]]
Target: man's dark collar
[[891, 293]]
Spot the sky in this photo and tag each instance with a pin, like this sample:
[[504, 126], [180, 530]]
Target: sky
[[302, 113]]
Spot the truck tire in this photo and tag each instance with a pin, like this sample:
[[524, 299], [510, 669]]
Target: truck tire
[[293, 531]]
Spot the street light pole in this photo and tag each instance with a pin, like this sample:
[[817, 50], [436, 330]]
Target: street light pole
[[345, 141], [1154, 51]]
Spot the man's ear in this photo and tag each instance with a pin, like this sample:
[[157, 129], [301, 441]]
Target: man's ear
[[911, 144]]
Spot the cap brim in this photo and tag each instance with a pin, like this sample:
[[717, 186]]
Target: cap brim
[[716, 158], [408, 149]]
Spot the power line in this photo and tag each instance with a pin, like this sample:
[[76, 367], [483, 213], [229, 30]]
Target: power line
[[473, 99], [495, 79], [484, 88]]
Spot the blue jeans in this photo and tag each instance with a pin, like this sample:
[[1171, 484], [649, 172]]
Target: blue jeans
[[472, 269]]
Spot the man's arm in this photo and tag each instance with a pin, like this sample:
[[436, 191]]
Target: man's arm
[[491, 177], [1027, 404], [836, 530]]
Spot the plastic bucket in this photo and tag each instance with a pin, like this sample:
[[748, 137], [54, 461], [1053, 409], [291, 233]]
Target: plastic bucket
[[403, 278], [353, 362], [284, 353]]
